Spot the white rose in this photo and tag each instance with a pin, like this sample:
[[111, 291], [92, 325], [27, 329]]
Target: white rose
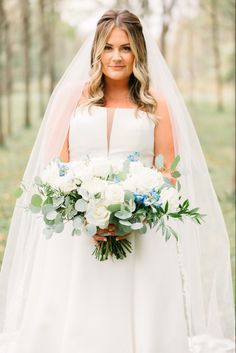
[[114, 193], [97, 214], [94, 186], [136, 167], [101, 167], [50, 174], [82, 170], [129, 184], [146, 179], [172, 196], [117, 165], [67, 183]]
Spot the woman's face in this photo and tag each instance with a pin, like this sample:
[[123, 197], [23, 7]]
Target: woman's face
[[117, 58]]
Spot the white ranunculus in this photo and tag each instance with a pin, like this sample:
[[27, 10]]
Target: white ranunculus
[[172, 196], [114, 193], [94, 186], [97, 214], [101, 167]]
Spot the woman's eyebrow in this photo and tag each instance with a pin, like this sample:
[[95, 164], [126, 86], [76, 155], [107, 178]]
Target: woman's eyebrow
[[122, 45]]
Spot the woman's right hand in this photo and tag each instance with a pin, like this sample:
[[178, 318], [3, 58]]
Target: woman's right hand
[[110, 230]]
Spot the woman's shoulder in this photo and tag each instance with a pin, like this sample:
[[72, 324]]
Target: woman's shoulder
[[160, 99], [158, 95]]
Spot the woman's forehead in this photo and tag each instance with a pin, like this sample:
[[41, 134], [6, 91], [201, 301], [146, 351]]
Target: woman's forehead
[[118, 36]]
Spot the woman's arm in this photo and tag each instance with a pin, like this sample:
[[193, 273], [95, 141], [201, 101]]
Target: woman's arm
[[64, 155], [163, 138]]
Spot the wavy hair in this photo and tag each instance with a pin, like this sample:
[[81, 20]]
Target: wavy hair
[[139, 80]]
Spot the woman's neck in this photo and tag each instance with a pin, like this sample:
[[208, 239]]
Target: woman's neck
[[116, 91]]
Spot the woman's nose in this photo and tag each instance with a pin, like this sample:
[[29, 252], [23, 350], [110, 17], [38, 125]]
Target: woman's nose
[[116, 55]]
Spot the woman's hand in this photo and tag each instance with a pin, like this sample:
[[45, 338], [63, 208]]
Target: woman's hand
[[166, 174], [109, 231]]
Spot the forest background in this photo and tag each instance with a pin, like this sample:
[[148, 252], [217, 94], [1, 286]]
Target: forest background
[[38, 39]]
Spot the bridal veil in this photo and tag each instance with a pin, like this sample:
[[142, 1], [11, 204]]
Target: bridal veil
[[203, 250]]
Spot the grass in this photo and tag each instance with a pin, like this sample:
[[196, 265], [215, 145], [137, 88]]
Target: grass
[[216, 134]]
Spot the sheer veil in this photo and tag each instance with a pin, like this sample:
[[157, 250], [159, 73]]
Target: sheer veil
[[203, 250]]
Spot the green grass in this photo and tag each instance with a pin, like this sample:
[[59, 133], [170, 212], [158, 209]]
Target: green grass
[[215, 130]]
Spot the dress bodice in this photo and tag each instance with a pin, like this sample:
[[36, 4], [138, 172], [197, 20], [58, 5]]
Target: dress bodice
[[111, 132]]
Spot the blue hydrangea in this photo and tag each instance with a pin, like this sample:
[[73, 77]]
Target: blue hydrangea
[[116, 179], [150, 198], [139, 198], [133, 157], [62, 168]]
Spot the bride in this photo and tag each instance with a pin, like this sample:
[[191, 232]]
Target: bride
[[117, 97]]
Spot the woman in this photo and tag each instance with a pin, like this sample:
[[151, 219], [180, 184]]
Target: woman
[[164, 297]]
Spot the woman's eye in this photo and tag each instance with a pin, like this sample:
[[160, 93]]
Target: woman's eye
[[127, 49], [107, 48]]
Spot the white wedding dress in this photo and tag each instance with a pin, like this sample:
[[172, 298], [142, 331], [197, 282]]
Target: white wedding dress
[[80, 305]]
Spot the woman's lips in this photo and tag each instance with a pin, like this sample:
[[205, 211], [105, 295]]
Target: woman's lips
[[117, 67]]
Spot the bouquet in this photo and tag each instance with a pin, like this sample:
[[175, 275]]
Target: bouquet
[[94, 193]]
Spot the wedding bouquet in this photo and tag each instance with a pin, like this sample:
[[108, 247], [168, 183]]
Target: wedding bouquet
[[94, 193]]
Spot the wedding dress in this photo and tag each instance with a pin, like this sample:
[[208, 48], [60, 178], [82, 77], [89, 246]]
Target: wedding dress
[[80, 305]]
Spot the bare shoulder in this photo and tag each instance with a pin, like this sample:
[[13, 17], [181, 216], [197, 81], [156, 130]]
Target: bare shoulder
[[162, 104]]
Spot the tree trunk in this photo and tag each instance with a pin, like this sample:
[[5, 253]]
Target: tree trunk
[[167, 10], [216, 53], [51, 54], [191, 62], [2, 22], [145, 7], [42, 55], [8, 76], [27, 68]]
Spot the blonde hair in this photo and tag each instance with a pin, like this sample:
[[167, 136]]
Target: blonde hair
[[139, 79]]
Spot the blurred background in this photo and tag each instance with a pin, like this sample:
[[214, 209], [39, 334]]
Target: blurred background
[[38, 39]]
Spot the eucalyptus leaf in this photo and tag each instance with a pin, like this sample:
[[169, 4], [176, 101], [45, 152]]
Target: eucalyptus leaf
[[114, 207], [72, 214], [57, 201], [38, 181], [128, 196], [136, 226], [159, 161], [51, 215], [48, 232], [176, 174], [123, 214], [34, 209], [91, 229], [19, 192], [47, 208], [174, 163], [81, 205], [84, 193], [77, 222], [59, 227], [125, 223], [76, 232], [36, 200]]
